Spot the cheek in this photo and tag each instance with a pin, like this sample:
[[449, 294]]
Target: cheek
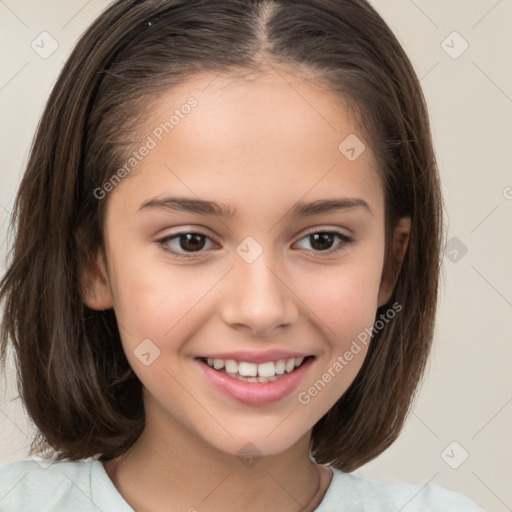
[[158, 310], [349, 300], [344, 300], [155, 300], [344, 305]]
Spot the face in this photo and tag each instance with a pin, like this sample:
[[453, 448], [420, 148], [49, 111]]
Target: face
[[215, 252]]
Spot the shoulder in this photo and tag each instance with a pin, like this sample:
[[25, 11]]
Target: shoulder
[[31, 485], [365, 494]]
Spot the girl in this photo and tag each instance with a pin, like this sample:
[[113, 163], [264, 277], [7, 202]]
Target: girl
[[224, 280]]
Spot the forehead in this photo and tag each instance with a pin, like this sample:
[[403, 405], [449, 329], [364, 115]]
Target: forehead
[[273, 107], [272, 134]]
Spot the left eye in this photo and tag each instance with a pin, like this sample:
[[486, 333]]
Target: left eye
[[321, 239], [190, 243]]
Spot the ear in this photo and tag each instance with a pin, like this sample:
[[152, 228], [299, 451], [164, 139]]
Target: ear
[[96, 292], [393, 261]]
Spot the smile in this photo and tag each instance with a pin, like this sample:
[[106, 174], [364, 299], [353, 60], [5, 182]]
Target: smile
[[252, 372], [255, 383]]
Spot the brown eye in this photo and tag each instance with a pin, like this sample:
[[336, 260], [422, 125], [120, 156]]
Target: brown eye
[[324, 241], [180, 244], [191, 242]]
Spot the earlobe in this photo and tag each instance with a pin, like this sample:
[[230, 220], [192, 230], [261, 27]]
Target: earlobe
[[96, 291], [392, 266]]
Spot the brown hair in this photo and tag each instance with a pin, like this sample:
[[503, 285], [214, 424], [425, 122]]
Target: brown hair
[[73, 376]]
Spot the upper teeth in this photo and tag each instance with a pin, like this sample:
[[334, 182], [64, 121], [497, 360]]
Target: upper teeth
[[269, 369]]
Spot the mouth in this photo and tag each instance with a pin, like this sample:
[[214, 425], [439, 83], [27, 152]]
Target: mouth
[[255, 384], [268, 371]]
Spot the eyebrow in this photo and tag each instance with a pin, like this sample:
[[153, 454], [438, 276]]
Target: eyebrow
[[299, 209]]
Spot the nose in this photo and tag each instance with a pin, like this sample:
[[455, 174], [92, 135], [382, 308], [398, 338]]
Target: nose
[[258, 298]]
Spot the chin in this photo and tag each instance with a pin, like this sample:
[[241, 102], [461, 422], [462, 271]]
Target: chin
[[252, 447], [257, 448]]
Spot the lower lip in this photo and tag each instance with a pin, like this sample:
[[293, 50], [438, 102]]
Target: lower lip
[[255, 393]]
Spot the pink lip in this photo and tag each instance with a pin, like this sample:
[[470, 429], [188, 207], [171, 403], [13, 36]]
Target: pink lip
[[255, 393], [255, 357]]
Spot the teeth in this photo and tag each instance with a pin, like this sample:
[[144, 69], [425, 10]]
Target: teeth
[[218, 364], [256, 372], [290, 365], [248, 369], [266, 369], [280, 367], [231, 366]]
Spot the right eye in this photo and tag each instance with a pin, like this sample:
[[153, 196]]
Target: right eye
[[189, 243]]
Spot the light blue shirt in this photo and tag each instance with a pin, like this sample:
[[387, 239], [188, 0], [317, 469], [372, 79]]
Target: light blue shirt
[[27, 486]]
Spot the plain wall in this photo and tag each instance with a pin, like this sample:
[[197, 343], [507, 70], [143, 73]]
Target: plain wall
[[466, 396]]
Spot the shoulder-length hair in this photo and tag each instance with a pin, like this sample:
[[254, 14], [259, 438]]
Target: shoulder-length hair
[[73, 376]]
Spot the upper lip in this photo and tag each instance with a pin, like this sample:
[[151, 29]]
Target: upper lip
[[256, 357]]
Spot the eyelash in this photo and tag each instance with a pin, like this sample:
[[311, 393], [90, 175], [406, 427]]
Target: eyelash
[[163, 242]]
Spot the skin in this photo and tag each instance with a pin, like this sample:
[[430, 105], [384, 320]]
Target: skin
[[257, 143]]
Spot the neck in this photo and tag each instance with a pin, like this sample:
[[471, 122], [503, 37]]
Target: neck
[[174, 466]]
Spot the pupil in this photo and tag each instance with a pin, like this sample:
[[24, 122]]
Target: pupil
[[189, 241], [322, 238]]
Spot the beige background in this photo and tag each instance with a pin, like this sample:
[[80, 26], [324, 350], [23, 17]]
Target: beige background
[[467, 395]]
